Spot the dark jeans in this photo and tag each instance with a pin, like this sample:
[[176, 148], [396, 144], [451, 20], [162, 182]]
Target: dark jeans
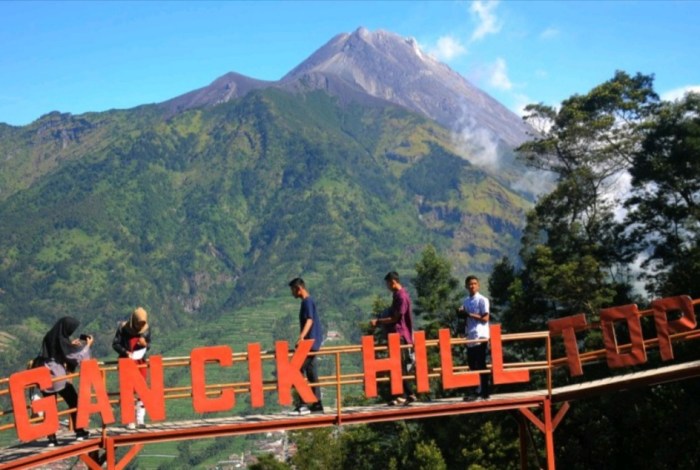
[[70, 396], [309, 370], [408, 366], [476, 358]]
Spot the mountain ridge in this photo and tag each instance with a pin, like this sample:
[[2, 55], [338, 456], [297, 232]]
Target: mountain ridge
[[385, 66]]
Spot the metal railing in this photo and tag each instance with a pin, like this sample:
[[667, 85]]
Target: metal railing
[[345, 373]]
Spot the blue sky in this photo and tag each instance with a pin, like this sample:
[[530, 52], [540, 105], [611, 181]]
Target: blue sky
[[93, 56]]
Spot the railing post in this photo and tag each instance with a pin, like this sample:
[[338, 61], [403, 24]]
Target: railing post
[[338, 396], [549, 366]]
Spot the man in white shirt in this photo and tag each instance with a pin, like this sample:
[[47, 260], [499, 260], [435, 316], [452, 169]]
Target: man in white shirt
[[476, 308]]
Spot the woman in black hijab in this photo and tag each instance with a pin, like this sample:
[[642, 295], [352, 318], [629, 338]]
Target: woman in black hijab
[[62, 356]]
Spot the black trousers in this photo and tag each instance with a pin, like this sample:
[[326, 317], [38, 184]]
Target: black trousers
[[476, 359], [310, 371], [70, 396], [408, 365]]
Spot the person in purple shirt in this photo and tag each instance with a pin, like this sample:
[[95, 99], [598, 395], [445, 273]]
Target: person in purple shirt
[[309, 328], [398, 319]]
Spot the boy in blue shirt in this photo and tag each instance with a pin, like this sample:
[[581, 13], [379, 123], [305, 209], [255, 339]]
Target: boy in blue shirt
[[309, 328]]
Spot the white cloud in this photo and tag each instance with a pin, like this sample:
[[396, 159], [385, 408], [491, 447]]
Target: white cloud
[[488, 23], [480, 147], [535, 182], [549, 33], [478, 143], [498, 76], [447, 48], [679, 93]]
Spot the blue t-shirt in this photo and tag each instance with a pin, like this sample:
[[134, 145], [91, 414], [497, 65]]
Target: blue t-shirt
[[308, 310]]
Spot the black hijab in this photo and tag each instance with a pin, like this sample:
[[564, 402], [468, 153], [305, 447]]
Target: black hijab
[[57, 342]]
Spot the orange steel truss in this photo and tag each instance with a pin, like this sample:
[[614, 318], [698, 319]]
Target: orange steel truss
[[540, 403]]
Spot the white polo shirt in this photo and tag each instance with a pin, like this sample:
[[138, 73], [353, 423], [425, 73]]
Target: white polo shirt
[[477, 329]]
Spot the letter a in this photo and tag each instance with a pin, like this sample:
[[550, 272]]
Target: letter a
[[91, 379]]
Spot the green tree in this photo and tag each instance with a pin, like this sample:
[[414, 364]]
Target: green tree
[[268, 462], [572, 249], [437, 294], [665, 203], [427, 456], [317, 449]]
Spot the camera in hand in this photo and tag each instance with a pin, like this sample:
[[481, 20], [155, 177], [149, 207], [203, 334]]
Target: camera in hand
[[84, 337]]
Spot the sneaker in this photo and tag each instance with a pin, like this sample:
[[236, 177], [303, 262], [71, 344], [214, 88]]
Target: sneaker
[[410, 399], [131, 426], [53, 442], [141, 425], [316, 407], [81, 434], [397, 401], [300, 410]]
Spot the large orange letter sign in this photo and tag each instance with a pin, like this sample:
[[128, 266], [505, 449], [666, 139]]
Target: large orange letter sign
[[421, 351], [449, 378], [91, 379], [132, 383], [18, 383], [372, 365], [500, 376], [289, 372], [198, 358], [255, 372], [630, 314], [567, 328], [686, 322]]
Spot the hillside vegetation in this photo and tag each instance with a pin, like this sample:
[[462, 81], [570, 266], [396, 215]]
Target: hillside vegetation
[[203, 217]]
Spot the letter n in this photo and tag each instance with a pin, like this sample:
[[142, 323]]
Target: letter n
[[18, 383], [131, 383]]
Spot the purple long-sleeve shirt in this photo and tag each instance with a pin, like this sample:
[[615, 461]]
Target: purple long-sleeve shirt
[[401, 304]]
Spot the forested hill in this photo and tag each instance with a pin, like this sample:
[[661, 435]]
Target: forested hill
[[206, 215]]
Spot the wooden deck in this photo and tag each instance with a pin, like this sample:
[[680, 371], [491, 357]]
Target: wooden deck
[[24, 455]]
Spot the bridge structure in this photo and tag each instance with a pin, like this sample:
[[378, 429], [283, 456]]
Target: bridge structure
[[539, 403]]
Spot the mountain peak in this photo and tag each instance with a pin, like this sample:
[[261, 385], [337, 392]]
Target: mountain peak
[[393, 68], [381, 65]]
